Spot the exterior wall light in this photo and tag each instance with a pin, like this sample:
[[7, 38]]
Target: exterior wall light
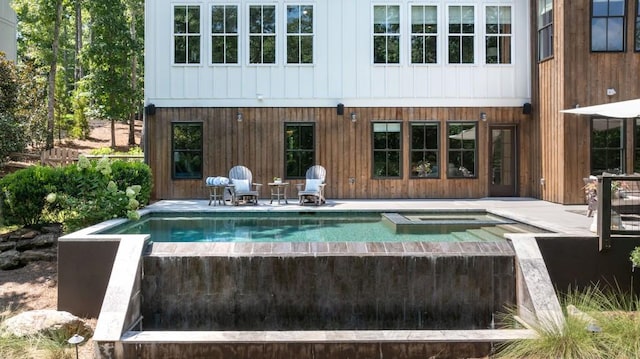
[[483, 116], [354, 117], [239, 116], [611, 91]]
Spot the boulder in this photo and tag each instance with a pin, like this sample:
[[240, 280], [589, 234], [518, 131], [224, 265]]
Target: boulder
[[58, 325], [34, 255], [39, 241], [10, 260], [5, 246]]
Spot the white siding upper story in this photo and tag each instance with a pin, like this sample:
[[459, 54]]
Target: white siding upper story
[[343, 69], [8, 23]]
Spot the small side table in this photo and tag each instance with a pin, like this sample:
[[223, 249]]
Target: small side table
[[279, 191], [216, 194]]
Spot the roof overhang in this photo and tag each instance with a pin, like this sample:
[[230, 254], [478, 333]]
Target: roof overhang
[[621, 109]]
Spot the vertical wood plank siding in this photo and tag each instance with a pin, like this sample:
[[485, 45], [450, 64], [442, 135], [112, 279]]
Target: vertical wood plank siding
[[343, 147], [575, 75]]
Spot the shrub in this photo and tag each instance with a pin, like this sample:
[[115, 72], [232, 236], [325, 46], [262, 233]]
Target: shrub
[[133, 172], [23, 194]]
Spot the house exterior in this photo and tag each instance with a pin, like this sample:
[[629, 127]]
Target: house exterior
[[396, 99], [8, 24]]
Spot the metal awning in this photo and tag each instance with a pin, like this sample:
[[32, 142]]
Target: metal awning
[[621, 109]]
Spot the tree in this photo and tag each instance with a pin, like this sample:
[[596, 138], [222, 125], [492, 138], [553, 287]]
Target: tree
[[108, 58], [12, 139]]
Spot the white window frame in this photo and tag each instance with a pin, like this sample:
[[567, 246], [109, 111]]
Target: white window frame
[[287, 34], [173, 36], [475, 36], [225, 34], [499, 35], [437, 34], [248, 34], [387, 34]]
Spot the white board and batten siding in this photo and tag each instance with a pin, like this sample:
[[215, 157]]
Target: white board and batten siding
[[343, 70], [8, 24]]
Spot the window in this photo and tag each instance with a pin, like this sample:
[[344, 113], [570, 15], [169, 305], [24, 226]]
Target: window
[[462, 138], [461, 34], [607, 145], [386, 34], [424, 34], [637, 33], [262, 34], [425, 149], [607, 25], [186, 148], [186, 34], [299, 34], [498, 41], [545, 29], [387, 150], [224, 34], [299, 148]]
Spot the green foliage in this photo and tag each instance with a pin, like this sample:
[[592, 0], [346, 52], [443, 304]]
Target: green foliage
[[77, 195], [13, 136], [635, 257], [23, 194], [31, 110], [612, 313], [8, 85]]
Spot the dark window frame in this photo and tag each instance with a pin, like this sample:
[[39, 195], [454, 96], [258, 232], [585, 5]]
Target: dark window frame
[[545, 31], [622, 151], [227, 33], [301, 167], [462, 150], [637, 28], [175, 151], [424, 151], [608, 17], [636, 145], [386, 150]]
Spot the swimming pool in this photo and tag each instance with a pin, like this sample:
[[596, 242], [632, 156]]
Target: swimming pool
[[324, 227]]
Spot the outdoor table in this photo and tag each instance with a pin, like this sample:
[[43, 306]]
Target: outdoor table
[[279, 191]]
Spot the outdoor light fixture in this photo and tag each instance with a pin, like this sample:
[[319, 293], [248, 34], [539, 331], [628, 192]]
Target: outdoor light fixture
[[353, 117], [239, 116], [75, 340], [611, 91], [483, 116], [340, 109]]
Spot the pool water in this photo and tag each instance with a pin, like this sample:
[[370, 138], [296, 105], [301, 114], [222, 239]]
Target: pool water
[[323, 227]]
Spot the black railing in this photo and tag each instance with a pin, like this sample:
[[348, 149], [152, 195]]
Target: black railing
[[618, 207]]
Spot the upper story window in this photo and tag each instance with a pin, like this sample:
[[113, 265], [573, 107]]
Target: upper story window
[[262, 34], [545, 29], [424, 34], [637, 33], [299, 34], [299, 152], [186, 148], [607, 25], [224, 34], [425, 149], [498, 29], [607, 145], [386, 34], [387, 150], [462, 149], [461, 34], [186, 34]]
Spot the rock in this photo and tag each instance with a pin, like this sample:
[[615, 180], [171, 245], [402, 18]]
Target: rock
[[5, 246], [32, 255], [10, 260], [58, 325], [30, 234], [40, 241]]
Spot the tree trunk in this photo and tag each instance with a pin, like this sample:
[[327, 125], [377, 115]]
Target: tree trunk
[[78, 73], [52, 76], [113, 133], [134, 77]]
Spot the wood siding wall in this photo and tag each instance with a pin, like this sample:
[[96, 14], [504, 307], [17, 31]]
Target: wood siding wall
[[342, 147], [577, 76]]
